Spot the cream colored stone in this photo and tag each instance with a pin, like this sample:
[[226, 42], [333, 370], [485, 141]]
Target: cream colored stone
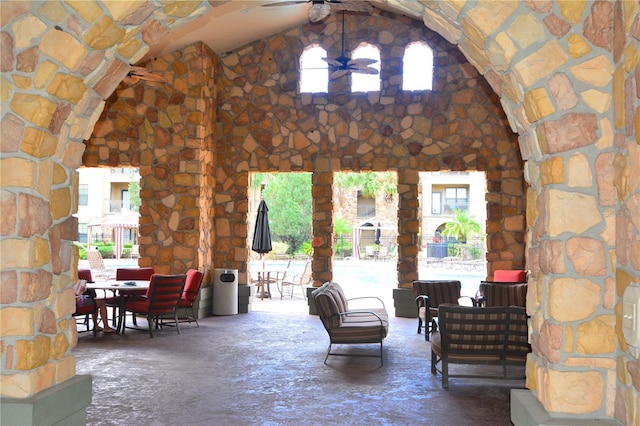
[[26, 30], [597, 336], [60, 203], [572, 10], [6, 89], [579, 174], [41, 254], [21, 82], [501, 51], [443, 26], [577, 46], [606, 131], [64, 48], [559, 202], [16, 321], [541, 63], [537, 104], [66, 367], [576, 392], [38, 143], [488, 16], [43, 74], [18, 172], [67, 87], [630, 57], [526, 30], [53, 11], [121, 9], [88, 10], [572, 299], [597, 71], [597, 100], [103, 34], [36, 109]]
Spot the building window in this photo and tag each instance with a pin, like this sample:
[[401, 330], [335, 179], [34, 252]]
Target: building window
[[366, 82], [82, 233], [455, 198], [83, 194], [417, 72], [366, 206], [436, 203], [314, 72]]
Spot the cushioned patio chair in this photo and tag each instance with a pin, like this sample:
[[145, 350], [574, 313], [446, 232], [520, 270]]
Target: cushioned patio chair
[[509, 276], [502, 294], [188, 298], [430, 294], [129, 274], [87, 306], [346, 325], [161, 300]]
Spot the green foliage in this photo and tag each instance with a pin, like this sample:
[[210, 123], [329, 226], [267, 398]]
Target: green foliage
[[134, 195], [82, 250], [288, 197], [306, 248], [341, 227], [370, 183], [279, 247], [462, 226]]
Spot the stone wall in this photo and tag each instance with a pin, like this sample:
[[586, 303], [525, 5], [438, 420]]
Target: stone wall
[[267, 126], [166, 130]]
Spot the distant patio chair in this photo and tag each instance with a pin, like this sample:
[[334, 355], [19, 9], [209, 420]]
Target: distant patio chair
[[383, 253], [298, 280], [98, 269]]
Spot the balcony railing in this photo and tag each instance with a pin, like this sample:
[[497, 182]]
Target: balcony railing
[[116, 206]]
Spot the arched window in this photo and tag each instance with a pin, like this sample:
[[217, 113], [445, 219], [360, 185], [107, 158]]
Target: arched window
[[366, 82], [417, 67], [314, 72]]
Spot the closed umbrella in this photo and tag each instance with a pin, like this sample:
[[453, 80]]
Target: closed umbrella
[[262, 235], [377, 240]]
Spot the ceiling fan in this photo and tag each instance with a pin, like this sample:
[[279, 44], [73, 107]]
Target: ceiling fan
[[320, 9], [136, 74], [343, 65]]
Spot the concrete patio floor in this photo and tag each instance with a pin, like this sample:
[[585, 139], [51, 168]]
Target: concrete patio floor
[[266, 368]]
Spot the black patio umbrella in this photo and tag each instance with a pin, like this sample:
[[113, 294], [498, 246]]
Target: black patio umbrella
[[261, 233], [377, 240]]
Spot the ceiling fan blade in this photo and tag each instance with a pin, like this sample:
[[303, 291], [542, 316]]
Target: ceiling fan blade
[[318, 11], [365, 70], [361, 62], [332, 62], [350, 5], [286, 3], [338, 73]]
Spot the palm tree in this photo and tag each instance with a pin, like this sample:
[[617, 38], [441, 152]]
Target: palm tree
[[462, 226]]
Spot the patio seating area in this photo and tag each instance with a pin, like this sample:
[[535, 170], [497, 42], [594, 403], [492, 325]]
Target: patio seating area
[[259, 368]]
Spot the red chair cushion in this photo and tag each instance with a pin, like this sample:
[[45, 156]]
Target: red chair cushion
[[191, 288], [85, 274], [506, 276], [133, 274]]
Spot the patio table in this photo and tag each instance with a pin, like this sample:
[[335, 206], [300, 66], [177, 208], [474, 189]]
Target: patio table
[[125, 289], [264, 277]]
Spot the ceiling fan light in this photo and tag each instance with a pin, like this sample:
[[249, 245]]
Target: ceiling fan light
[[318, 11]]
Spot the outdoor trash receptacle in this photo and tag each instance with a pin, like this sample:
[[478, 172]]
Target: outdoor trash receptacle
[[225, 292]]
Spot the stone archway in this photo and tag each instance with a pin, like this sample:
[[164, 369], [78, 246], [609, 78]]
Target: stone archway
[[567, 75]]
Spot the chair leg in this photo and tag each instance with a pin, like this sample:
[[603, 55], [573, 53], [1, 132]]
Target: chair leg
[[175, 315], [194, 316], [150, 322]]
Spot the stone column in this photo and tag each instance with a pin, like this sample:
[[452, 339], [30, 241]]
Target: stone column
[[322, 199]]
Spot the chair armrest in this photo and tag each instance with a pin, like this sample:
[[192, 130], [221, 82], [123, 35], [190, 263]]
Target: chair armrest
[[347, 313], [422, 301], [368, 297], [471, 299]]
